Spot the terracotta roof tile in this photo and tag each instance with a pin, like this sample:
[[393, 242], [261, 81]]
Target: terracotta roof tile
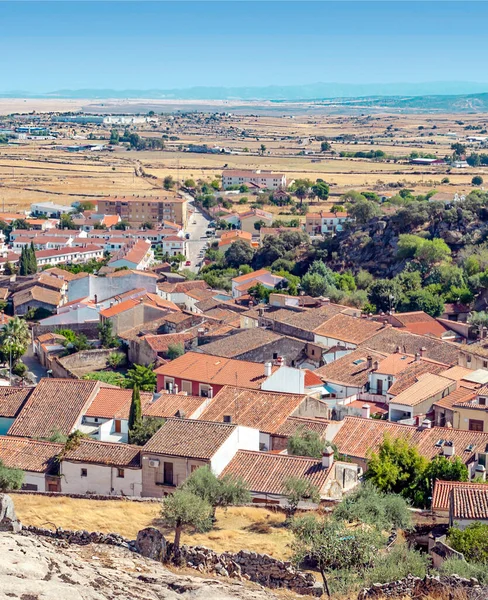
[[105, 453], [113, 402], [411, 375], [189, 438], [426, 386], [292, 424], [250, 276], [210, 369], [241, 342], [351, 369], [170, 404], [469, 503], [29, 455], [183, 286], [265, 411], [12, 399], [349, 329], [266, 473], [461, 395], [55, 404], [160, 343], [443, 489], [38, 294]]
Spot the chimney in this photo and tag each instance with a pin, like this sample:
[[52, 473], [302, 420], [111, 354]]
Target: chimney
[[366, 411], [397, 350], [448, 449], [370, 362], [326, 301], [210, 392], [175, 389], [375, 365], [95, 298], [385, 323], [268, 368], [180, 414], [422, 351], [327, 457], [426, 424], [417, 357], [481, 472]]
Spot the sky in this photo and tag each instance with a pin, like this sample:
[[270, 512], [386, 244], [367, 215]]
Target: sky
[[47, 46]]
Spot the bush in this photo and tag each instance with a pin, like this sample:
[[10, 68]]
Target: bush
[[397, 564], [455, 566], [19, 369], [472, 542]]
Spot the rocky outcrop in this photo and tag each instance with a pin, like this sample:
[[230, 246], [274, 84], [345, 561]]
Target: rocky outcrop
[[8, 518], [432, 587], [151, 543], [32, 568]]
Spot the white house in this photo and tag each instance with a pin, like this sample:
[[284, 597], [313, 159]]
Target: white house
[[263, 179], [50, 209], [102, 468]]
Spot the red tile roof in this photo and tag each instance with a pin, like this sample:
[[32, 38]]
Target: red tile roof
[[113, 402], [12, 399], [443, 489], [469, 503], [54, 405], [209, 369], [351, 369], [265, 411], [349, 329], [29, 455], [266, 473], [105, 453], [189, 438], [292, 424], [168, 405]]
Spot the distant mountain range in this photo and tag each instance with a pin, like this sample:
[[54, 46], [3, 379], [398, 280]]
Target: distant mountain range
[[429, 97]]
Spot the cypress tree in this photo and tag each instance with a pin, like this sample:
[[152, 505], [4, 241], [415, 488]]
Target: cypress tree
[[32, 260], [23, 262], [135, 414]]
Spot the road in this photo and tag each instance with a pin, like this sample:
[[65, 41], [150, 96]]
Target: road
[[197, 226]]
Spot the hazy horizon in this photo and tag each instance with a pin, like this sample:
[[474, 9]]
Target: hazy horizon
[[53, 46]]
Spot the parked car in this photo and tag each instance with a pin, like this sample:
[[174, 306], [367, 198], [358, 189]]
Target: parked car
[[188, 263]]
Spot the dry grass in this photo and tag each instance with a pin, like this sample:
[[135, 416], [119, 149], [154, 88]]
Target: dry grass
[[236, 528]]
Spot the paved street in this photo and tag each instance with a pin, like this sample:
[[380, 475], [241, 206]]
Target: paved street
[[197, 227]]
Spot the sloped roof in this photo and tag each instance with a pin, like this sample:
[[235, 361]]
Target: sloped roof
[[469, 503], [349, 329], [351, 369], [29, 455], [266, 473], [241, 342], [39, 294], [210, 369], [411, 375], [265, 411], [426, 386], [55, 404], [189, 438], [114, 402], [443, 489], [12, 399], [292, 424], [170, 404], [105, 453]]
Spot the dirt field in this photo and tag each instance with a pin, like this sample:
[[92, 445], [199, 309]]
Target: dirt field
[[42, 170], [235, 528]]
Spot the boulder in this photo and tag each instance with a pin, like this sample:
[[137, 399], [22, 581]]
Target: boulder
[[151, 543], [8, 518]]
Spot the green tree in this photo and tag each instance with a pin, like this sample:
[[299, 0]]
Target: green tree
[[262, 149], [106, 336], [114, 137], [32, 259], [143, 432], [458, 149], [305, 442], [135, 413], [325, 146], [86, 205], [364, 210], [301, 192], [333, 546], [14, 339], [425, 300], [321, 190], [66, 222], [398, 467], [115, 360], [296, 490], [384, 294], [10, 479], [238, 253], [219, 492], [142, 377], [175, 351], [477, 180], [472, 542], [168, 182], [185, 509]]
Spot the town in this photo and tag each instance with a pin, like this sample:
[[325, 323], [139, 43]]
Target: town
[[243, 315]]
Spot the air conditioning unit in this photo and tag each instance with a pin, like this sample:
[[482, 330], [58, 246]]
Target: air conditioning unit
[[154, 464]]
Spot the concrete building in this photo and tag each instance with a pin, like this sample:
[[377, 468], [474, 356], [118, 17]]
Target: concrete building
[[137, 210], [50, 209], [325, 222], [261, 179]]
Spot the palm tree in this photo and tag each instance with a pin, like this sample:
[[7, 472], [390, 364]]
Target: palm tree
[[14, 339], [301, 193]]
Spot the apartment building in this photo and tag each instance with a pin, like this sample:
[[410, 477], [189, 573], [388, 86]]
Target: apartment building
[[261, 179], [146, 209]]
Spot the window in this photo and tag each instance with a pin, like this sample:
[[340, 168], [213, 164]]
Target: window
[[168, 473], [227, 419], [84, 472], [485, 364], [120, 473], [475, 425], [482, 401], [169, 383]]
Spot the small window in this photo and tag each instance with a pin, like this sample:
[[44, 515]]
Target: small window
[[485, 364], [482, 401], [120, 473], [227, 419], [84, 472]]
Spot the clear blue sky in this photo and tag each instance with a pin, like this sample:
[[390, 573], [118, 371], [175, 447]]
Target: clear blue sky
[[140, 45]]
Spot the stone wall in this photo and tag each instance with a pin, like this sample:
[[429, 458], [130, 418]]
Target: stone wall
[[90, 329], [417, 587], [78, 364]]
